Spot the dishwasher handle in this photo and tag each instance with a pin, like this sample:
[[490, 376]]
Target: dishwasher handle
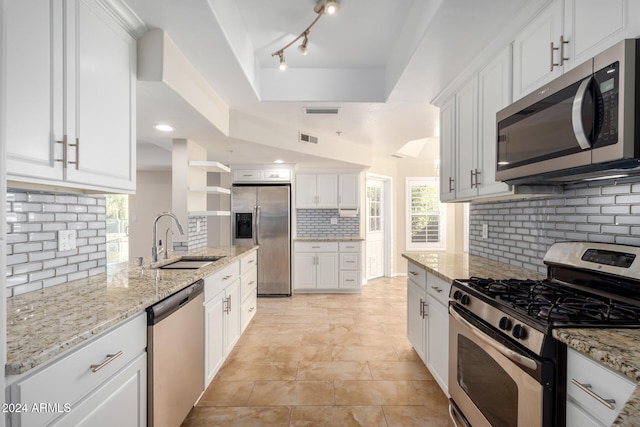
[[163, 309]]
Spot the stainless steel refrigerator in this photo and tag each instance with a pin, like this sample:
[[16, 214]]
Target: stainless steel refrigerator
[[261, 215]]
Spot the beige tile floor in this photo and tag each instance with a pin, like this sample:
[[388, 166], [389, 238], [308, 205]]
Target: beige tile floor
[[325, 360]]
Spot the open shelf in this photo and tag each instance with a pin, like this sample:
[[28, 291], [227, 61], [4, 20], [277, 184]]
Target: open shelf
[[209, 213], [209, 166], [210, 189]]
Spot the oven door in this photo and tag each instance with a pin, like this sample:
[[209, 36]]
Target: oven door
[[490, 382]]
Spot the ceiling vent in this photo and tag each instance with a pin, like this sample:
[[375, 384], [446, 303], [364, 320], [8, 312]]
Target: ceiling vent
[[322, 110], [303, 137]]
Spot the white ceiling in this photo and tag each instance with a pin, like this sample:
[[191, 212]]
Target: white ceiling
[[381, 62]]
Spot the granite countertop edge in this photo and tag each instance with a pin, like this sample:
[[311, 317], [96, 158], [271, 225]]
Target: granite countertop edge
[[44, 324], [617, 349], [329, 239]]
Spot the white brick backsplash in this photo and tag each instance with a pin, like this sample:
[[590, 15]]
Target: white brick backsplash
[[33, 219], [317, 223], [521, 231]]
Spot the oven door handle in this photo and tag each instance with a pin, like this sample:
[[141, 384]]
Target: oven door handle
[[507, 352]]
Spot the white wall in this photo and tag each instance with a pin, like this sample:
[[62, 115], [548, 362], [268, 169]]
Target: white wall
[[153, 195]]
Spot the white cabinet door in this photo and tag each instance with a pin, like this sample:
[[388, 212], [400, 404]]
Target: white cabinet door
[[348, 195], [594, 25], [437, 336], [305, 191], [34, 89], [447, 151], [100, 98], [327, 271], [532, 53], [415, 320], [233, 316], [327, 191], [304, 273], [494, 85], [214, 318], [121, 401], [467, 139], [71, 96]]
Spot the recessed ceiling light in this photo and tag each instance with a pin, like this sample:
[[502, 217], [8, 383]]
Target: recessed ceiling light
[[278, 161], [164, 128]]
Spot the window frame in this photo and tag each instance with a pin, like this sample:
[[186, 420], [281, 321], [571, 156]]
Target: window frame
[[424, 246]]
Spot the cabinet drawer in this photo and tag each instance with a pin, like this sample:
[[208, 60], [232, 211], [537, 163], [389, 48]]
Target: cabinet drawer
[[349, 261], [248, 262], [438, 288], [604, 382], [248, 310], [219, 280], [276, 175], [349, 279], [417, 274], [349, 246], [248, 283], [316, 246], [72, 377], [247, 175]]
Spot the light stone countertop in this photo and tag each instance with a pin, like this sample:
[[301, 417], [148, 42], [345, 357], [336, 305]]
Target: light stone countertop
[[43, 324], [617, 349], [329, 239]]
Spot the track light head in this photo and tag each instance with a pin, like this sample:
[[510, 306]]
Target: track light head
[[283, 64], [331, 7], [303, 47]]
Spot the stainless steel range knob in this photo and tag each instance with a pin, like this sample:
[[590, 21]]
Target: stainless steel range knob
[[519, 332], [465, 300], [504, 323], [457, 295]]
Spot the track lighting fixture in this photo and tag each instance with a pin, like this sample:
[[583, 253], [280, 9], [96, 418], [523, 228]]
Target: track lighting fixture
[[322, 7]]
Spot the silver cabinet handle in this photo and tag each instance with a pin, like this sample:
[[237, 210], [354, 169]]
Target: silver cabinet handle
[[77, 145], [437, 289], [561, 49], [110, 358], [63, 160], [425, 309], [609, 403], [451, 187], [471, 177], [413, 273], [227, 277], [476, 173], [507, 352], [251, 309], [315, 247], [229, 304], [421, 308]]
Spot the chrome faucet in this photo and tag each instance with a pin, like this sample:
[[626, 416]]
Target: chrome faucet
[[166, 242], [154, 248]]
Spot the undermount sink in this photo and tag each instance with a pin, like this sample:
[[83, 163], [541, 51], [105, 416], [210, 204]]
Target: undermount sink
[[190, 263]]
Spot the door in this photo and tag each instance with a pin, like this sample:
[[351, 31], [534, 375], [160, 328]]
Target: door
[[375, 229], [274, 238]]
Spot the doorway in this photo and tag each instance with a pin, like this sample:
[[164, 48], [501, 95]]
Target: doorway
[[378, 229]]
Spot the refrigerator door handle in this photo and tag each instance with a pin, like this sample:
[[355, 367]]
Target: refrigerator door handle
[[257, 227]]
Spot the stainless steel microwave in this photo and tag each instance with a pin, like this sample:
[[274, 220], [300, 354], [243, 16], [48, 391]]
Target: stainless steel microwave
[[582, 125]]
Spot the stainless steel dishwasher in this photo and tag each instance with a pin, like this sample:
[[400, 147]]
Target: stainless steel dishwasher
[[175, 351]]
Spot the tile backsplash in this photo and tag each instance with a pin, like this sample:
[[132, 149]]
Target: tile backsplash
[[317, 223], [33, 221], [521, 231]]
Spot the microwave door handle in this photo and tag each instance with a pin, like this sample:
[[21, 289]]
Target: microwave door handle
[[507, 352], [576, 115]]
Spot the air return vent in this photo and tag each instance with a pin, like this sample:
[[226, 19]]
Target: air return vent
[[321, 110], [303, 137]]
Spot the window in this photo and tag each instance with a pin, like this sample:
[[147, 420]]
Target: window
[[425, 215], [117, 228], [374, 200]]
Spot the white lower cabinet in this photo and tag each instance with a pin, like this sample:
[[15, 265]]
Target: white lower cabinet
[[101, 383], [248, 289], [327, 267], [221, 316], [595, 394], [428, 321]]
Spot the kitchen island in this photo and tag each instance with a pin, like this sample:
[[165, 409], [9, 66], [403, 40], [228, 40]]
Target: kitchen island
[[617, 349], [44, 324]]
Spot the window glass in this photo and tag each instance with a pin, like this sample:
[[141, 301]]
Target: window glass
[[374, 200], [117, 228], [425, 219]]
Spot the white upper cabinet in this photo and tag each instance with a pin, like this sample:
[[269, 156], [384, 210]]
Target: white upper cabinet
[[467, 140], [348, 194], [447, 151], [567, 33], [494, 93], [533, 55], [71, 96], [327, 190]]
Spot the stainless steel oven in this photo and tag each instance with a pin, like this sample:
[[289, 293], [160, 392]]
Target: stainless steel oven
[[492, 381]]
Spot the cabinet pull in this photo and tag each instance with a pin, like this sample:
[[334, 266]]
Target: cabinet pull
[[562, 57], [77, 145], [250, 261], [451, 188], [229, 304], [436, 288], [110, 358], [252, 282], [315, 247], [226, 277], [251, 309], [475, 174], [551, 63], [421, 308], [225, 306], [413, 273], [425, 307], [471, 175], [64, 151], [609, 403]]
